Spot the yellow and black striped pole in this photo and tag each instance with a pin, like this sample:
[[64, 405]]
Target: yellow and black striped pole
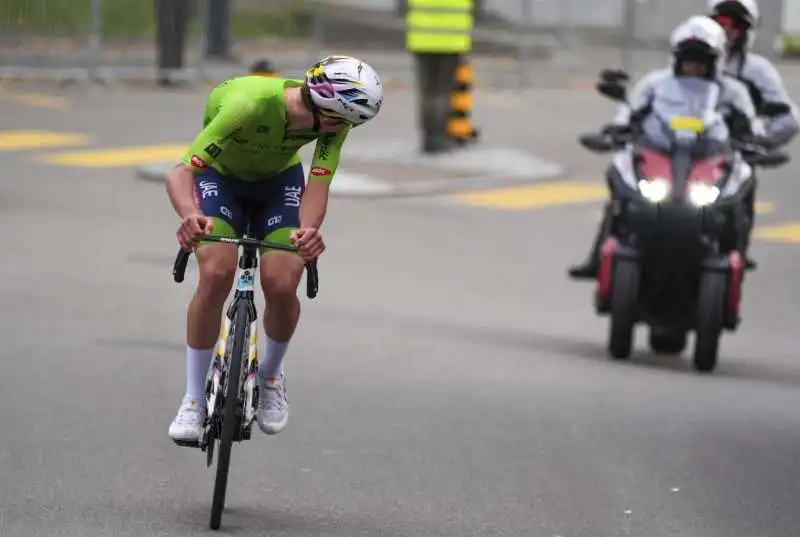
[[262, 68], [459, 124]]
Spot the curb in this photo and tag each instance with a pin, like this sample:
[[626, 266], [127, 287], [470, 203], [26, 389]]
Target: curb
[[346, 184], [352, 185]]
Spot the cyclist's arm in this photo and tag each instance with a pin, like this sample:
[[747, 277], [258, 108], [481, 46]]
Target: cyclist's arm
[[782, 129], [323, 169], [204, 151]]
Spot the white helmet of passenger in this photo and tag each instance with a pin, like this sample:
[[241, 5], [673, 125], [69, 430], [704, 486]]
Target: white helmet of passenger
[[345, 88], [739, 18], [698, 39]]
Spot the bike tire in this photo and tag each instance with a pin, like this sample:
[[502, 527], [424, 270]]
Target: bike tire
[[710, 320], [229, 411], [624, 303]]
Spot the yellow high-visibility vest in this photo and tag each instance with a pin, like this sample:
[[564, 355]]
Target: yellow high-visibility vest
[[439, 26]]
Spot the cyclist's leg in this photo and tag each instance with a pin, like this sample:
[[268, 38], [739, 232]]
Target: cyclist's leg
[[217, 267], [281, 273]]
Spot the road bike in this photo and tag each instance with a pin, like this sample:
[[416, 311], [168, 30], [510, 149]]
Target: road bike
[[232, 405]]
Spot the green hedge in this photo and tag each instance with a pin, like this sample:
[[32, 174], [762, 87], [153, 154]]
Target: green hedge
[[132, 18]]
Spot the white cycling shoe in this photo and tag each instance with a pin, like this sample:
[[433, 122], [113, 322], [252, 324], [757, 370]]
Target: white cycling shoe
[[187, 427], [272, 413]]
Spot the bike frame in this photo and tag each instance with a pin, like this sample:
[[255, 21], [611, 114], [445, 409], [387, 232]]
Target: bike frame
[[235, 357]]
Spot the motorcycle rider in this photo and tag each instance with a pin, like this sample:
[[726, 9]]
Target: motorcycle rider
[[694, 79], [740, 19]]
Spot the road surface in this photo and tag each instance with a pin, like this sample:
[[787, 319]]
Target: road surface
[[448, 381]]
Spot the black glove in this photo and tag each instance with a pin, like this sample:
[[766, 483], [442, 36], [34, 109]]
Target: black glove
[[759, 140], [616, 130]]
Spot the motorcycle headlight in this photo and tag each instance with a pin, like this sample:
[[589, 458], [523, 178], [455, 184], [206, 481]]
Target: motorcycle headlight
[[702, 194], [655, 190]]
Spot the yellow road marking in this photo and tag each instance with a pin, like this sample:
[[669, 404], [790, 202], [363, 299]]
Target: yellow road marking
[[33, 139], [117, 157], [765, 207], [536, 196], [788, 233], [38, 100]]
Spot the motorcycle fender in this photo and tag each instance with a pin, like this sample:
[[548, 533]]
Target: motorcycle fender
[[736, 263], [733, 265], [610, 251]]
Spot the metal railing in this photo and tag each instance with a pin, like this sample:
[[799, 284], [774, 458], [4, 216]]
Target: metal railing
[[518, 43]]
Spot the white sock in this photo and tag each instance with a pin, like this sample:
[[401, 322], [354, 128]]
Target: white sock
[[197, 363], [270, 365]]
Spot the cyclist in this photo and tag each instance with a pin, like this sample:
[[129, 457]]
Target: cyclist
[[695, 78], [245, 164], [740, 18]]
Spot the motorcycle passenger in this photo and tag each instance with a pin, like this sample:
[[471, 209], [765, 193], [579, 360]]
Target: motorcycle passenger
[[740, 18], [693, 85]]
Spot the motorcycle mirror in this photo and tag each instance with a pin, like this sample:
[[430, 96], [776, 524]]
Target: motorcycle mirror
[[614, 75], [769, 160], [613, 90], [596, 142], [774, 109]]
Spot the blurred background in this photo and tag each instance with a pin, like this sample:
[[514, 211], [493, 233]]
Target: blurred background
[[527, 43]]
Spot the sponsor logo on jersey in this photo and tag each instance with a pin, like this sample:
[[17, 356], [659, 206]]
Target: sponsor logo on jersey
[[213, 149], [197, 162], [325, 143], [320, 172]]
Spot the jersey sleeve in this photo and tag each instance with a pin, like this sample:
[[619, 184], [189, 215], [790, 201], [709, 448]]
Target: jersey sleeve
[[217, 134], [326, 155]]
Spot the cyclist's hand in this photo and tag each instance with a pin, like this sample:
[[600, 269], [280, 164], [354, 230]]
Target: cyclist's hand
[[309, 243], [193, 228]]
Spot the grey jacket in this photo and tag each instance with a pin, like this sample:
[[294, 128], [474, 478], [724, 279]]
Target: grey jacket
[[668, 95], [765, 85]]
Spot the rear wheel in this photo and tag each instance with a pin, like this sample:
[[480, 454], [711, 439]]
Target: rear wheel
[[668, 341], [710, 317], [231, 417], [624, 305]]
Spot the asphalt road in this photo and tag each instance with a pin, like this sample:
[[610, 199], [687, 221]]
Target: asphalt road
[[449, 380]]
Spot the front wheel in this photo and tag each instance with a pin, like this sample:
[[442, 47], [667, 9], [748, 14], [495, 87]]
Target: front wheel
[[231, 418], [624, 306], [710, 318]]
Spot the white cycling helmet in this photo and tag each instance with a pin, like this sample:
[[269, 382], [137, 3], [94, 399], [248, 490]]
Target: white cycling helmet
[[345, 88], [700, 39], [744, 12]]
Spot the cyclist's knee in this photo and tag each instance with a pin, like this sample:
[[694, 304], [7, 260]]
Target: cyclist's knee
[[280, 274], [217, 263]]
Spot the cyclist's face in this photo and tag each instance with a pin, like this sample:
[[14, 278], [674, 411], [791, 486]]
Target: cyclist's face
[[690, 68], [331, 124]]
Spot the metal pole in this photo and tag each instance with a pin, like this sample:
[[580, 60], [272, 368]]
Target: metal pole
[[317, 32], [629, 33], [203, 10], [524, 27], [95, 39]]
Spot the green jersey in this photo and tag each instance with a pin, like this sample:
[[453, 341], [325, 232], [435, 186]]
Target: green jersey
[[244, 133]]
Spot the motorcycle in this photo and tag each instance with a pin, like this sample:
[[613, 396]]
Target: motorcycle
[[672, 258]]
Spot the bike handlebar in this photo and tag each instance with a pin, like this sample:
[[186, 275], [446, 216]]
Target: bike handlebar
[[182, 259], [620, 139]]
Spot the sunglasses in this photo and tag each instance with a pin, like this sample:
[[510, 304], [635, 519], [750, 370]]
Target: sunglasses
[[727, 21]]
